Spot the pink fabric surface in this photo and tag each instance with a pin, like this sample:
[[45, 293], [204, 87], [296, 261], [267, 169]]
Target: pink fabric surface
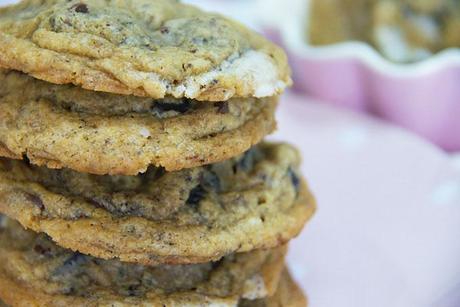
[[427, 104], [386, 230]]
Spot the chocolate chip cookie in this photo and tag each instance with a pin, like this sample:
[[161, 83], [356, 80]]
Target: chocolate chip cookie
[[140, 47], [256, 200], [66, 126], [34, 271]]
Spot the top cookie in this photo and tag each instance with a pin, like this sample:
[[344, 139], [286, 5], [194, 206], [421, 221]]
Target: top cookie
[[152, 48]]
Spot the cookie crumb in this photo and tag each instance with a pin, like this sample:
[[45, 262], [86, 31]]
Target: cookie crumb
[[81, 8]]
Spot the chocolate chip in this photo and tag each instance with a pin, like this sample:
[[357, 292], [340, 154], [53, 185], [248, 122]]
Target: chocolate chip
[[294, 179], [119, 208], [75, 259], [187, 66], [200, 41], [42, 250], [133, 290], [164, 30], [222, 107], [247, 161], [37, 201], [71, 264], [52, 22], [6, 164], [162, 107], [196, 195], [211, 181], [81, 8]]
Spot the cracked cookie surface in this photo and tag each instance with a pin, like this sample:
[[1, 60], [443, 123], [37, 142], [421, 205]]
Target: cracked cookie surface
[[35, 271], [140, 47], [66, 126], [256, 200]]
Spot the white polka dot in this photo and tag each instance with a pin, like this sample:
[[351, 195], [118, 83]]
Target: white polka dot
[[353, 138], [447, 193]]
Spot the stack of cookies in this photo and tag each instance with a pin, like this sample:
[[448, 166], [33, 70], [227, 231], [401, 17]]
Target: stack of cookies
[[131, 142]]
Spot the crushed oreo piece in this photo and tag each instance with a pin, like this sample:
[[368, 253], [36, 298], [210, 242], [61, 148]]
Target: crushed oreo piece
[[133, 290], [75, 259], [161, 108], [222, 107], [196, 195], [211, 181], [294, 179], [117, 208], [247, 161], [81, 8], [42, 250], [71, 264]]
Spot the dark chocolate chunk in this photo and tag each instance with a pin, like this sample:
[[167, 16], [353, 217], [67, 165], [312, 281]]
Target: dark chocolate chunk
[[196, 195], [160, 108], [117, 208], [37, 201], [133, 290], [75, 259], [247, 161], [71, 264], [294, 179], [222, 107], [40, 249], [211, 181], [81, 8]]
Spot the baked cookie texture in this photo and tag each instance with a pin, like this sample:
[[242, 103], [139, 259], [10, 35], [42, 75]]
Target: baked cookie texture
[[140, 47], [256, 200], [34, 271], [101, 133]]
